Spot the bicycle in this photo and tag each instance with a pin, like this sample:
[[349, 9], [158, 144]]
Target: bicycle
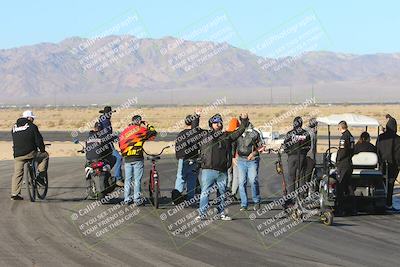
[[154, 179], [34, 188]]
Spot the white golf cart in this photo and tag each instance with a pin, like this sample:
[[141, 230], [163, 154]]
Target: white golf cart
[[367, 180]]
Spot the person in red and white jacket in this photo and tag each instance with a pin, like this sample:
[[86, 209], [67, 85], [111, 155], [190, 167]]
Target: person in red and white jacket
[[131, 142]]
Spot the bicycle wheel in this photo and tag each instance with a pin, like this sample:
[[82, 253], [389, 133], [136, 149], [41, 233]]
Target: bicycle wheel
[[150, 188], [41, 188], [156, 194], [30, 183]]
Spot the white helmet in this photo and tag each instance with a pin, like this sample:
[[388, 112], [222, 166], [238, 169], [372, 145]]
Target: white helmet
[[28, 114]]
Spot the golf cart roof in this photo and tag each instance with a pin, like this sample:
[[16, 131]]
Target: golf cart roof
[[353, 120]]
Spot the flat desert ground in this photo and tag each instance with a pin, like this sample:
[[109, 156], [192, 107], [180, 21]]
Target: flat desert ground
[[170, 119]]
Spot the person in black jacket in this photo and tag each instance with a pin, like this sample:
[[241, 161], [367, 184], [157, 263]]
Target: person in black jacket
[[98, 146], [187, 152], [105, 124], [27, 140], [216, 159], [364, 144], [345, 168], [296, 144], [248, 146], [388, 147], [312, 130]]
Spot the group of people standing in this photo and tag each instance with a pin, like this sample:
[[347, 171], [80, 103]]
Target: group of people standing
[[218, 153], [229, 160], [130, 142]]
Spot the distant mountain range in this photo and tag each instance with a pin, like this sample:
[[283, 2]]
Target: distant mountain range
[[172, 71]]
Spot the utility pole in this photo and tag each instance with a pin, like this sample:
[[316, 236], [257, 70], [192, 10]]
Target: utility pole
[[290, 95], [270, 97]]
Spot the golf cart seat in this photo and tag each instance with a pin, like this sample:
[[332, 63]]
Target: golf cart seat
[[364, 163]]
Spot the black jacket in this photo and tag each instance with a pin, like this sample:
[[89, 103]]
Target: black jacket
[[98, 145], [346, 149], [388, 144], [297, 141], [187, 142], [248, 142], [216, 147], [364, 147], [26, 138]]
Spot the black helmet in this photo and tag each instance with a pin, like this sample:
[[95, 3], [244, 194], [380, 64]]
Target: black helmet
[[217, 118], [297, 122], [137, 119], [189, 120]]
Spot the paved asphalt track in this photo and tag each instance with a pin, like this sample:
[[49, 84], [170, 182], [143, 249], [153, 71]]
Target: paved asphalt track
[[45, 234]]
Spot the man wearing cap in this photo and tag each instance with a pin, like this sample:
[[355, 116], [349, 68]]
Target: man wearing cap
[[105, 125], [27, 140], [131, 142], [187, 151]]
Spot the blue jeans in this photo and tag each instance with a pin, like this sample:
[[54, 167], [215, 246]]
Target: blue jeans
[[118, 163], [248, 171], [208, 179], [187, 174], [135, 169]]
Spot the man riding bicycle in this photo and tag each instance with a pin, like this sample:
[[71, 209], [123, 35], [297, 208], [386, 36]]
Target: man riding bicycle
[[27, 140]]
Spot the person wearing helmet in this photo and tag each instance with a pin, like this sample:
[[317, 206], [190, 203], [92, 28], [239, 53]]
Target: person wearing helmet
[[296, 145], [216, 159], [27, 140], [187, 152], [312, 153], [131, 142], [233, 172], [105, 125]]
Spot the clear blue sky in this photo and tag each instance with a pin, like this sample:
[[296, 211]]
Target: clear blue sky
[[353, 26]]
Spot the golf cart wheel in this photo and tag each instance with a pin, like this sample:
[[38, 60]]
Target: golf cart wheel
[[327, 217]]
